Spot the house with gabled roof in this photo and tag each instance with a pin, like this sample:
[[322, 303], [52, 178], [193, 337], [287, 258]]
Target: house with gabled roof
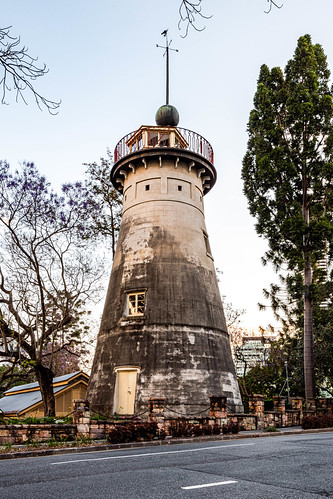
[[26, 400]]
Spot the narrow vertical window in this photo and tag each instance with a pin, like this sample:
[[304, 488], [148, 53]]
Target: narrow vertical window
[[147, 187], [208, 249]]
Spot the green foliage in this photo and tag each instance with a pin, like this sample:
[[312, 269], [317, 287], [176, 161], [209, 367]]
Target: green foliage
[[288, 181], [289, 160], [14, 375], [83, 440], [265, 380], [57, 441], [106, 220], [31, 443], [271, 429], [39, 421], [291, 343], [52, 442]]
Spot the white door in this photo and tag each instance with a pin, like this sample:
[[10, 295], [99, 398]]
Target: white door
[[126, 383]]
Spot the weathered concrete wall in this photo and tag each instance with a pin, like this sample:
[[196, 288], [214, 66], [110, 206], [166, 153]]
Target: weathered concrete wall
[[181, 343]]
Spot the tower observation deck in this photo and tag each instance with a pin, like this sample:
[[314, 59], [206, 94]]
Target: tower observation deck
[[164, 142]]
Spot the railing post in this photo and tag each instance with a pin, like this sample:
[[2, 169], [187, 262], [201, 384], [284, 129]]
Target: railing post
[[256, 406], [297, 405], [279, 404], [218, 409], [156, 410], [310, 405], [81, 416]]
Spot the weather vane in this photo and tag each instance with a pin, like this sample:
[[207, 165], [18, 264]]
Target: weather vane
[[167, 48]]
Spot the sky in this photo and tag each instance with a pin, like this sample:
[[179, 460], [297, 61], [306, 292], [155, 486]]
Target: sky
[[105, 67]]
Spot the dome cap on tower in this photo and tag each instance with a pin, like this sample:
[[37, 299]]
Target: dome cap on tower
[[167, 115]]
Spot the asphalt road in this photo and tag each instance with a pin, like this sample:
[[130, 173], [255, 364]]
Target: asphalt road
[[294, 466]]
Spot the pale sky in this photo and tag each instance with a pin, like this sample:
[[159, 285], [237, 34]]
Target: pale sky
[[106, 69]]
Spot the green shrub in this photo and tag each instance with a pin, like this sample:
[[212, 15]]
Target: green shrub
[[14, 421], [52, 442], [82, 440], [271, 429], [6, 447], [33, 443], [44, 420]]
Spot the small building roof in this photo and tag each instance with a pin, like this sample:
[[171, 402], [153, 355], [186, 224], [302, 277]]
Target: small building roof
[[35, 386], [21, 401], [22, 397]]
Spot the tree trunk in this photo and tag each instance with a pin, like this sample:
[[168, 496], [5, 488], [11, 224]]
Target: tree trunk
[[309, 378], [45, 381]]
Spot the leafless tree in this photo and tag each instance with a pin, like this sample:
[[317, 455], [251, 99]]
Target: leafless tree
[[233, 320], [18, 71], [48, 275], [190, 12], [271, 4]]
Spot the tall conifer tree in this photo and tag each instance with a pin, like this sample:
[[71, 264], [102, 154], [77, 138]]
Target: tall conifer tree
[[288, 179]]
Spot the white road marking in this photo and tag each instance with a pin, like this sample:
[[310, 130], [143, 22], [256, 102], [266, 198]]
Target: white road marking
[[208, 485], [151, 454]]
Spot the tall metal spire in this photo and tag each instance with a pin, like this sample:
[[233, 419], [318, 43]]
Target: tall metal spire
[[167, 48]]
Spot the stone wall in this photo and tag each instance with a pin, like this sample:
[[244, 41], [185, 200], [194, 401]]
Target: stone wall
[[84, 426], [25, 433]]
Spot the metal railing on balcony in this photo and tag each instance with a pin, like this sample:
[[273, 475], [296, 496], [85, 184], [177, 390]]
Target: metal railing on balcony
[[196, 143]]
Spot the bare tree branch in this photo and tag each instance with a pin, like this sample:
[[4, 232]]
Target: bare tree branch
[[19, 70], [271, 3], [49, 271], [189, 11]]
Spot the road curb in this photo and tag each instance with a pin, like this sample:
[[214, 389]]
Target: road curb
[[155, 443]]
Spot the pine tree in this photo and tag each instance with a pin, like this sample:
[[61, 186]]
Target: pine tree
[[288, 179]]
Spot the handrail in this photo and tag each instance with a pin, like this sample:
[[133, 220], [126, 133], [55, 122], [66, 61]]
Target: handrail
[[196, 143]]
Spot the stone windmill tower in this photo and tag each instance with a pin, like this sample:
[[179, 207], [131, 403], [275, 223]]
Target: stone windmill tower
[[163, 331]]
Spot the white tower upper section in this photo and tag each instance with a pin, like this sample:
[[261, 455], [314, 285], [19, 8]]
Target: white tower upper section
[[164, 142]]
